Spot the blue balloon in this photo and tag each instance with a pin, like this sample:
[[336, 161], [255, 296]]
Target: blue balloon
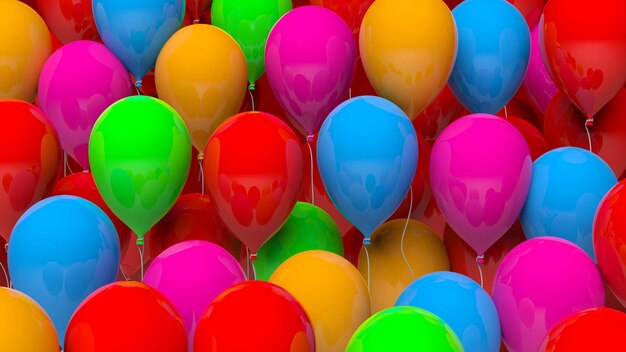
[[367, 155], [567, 186], [135, 31], [62, 249], [465, 306], [492, 56]]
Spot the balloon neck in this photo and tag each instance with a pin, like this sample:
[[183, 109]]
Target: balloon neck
[[589, 122], [138, 84], [251, 86], [309, 138], [252, 256], [196, 21], [480, 259], [367, 241], [200, 156], [140, 241], [6, 247]]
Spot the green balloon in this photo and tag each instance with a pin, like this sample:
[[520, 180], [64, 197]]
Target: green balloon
[[403, 329], [140, 152], [249, 22], [307, 228]]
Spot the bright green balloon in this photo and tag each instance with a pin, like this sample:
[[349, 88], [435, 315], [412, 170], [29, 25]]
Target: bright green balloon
[[139, 152], [404, 329], [307, 228], [249, 22]]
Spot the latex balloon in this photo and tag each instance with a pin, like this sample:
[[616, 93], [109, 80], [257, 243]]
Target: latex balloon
[[204, 83], [480, 172], [404, 329], [537, 82], [534, 138], [254, 315], [192, 217], [438, 115], [30, 158], [568, 184], [519, 107], [367, 181], [494, 48], [69, 20], [194, 182], [23, 50], [540, 282], [138, 316], [77, 83], [583, 48], [136, 32], [253, 172], [392, 262], [530, 9], [609, 237], [62, 249], [249, 22], [307, 228], [191, 274], [24, 325], [463, 257], [598, 329], [565, 126], [310, 57], [331, 291], [408, 49], [351, 11], [140, 171], [445, 294]]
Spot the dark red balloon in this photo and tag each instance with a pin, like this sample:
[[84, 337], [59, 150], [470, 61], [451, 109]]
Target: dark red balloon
[[352, 243], [194, 178], [596, 329], [463, 257], [69, 20], [518, 108], [125, 317], [196, 8], [535, 140], [253, 172], [254, 316], [438, 115], [565, 126], [30, 160], [530, 9]]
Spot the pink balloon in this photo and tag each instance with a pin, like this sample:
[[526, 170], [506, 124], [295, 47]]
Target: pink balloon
[[537, 82], [538, 283], [191, 274], [77, 83], [310, 58], [480, 171]]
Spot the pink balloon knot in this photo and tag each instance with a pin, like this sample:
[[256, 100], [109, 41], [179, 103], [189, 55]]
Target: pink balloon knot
[[480, 259], [309, 138]]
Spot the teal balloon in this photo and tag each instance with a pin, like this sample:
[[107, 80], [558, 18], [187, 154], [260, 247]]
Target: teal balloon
[[307, 228]]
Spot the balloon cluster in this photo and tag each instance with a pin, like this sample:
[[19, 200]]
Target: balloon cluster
[[312, 175]]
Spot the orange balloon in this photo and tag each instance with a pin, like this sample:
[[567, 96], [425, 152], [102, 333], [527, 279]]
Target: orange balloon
[[389, 273]]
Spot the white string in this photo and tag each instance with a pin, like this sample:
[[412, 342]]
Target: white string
[[587, 123], [251, 98], [123, 273], [349, 93], [308, 143], [506, 113], [201, 174], [6, 276], [140, 248], [479, 260], [138, 84], [367, 254], [406, 224], [64, 164]]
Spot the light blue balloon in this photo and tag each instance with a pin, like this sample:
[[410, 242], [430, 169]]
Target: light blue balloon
[[459, 301], [62, 249], [366, 155], [493, 53], [135, 31], [567, 186]]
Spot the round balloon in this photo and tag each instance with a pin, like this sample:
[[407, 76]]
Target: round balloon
[[62, 249], [367, 181], [139, 152], [68, 20], [534, 138], [438, 115]]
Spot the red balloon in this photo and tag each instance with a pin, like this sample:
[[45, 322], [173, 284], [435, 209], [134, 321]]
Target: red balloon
[[518, 108], [463, 257], [82, 185], [192, 217], [565, 126], [596, 329], [253, 173], [125, 316], [30, 160], [69, 20], [530, 9], [535, 140], [438, 115], [254, 316], [197, 7], [609, 239], [352, 243], [194, 178], [585, 50]]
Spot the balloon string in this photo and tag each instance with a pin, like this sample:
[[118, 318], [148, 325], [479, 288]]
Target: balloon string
[[123, 273], [349, 93], [367, 255], [479, 261], [506, 113], [138, 85], [201, 175], [589, 122], [308, 143], [140, 248], [248, 263], [64, 164], [251, 98], [406, 224], [6, 276]]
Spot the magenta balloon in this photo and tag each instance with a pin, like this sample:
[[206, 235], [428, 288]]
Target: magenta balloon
[[77, 83], [537, 82], [538, 283], [191, 274], [310, 58], [480, 171]]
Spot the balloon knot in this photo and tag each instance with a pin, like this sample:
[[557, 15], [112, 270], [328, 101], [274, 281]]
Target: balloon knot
[[480, 259], [309, 138], [366, 241], [253, 256], [589, 122], [251, 86], [196, 21], [6, 247], [140, 241], [138, 84], [200, 156]]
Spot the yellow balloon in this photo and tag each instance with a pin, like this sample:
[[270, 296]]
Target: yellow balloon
[[408, 48], [331, 291], [202, 73], [25, 45], [389, 273], [24, 326]]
